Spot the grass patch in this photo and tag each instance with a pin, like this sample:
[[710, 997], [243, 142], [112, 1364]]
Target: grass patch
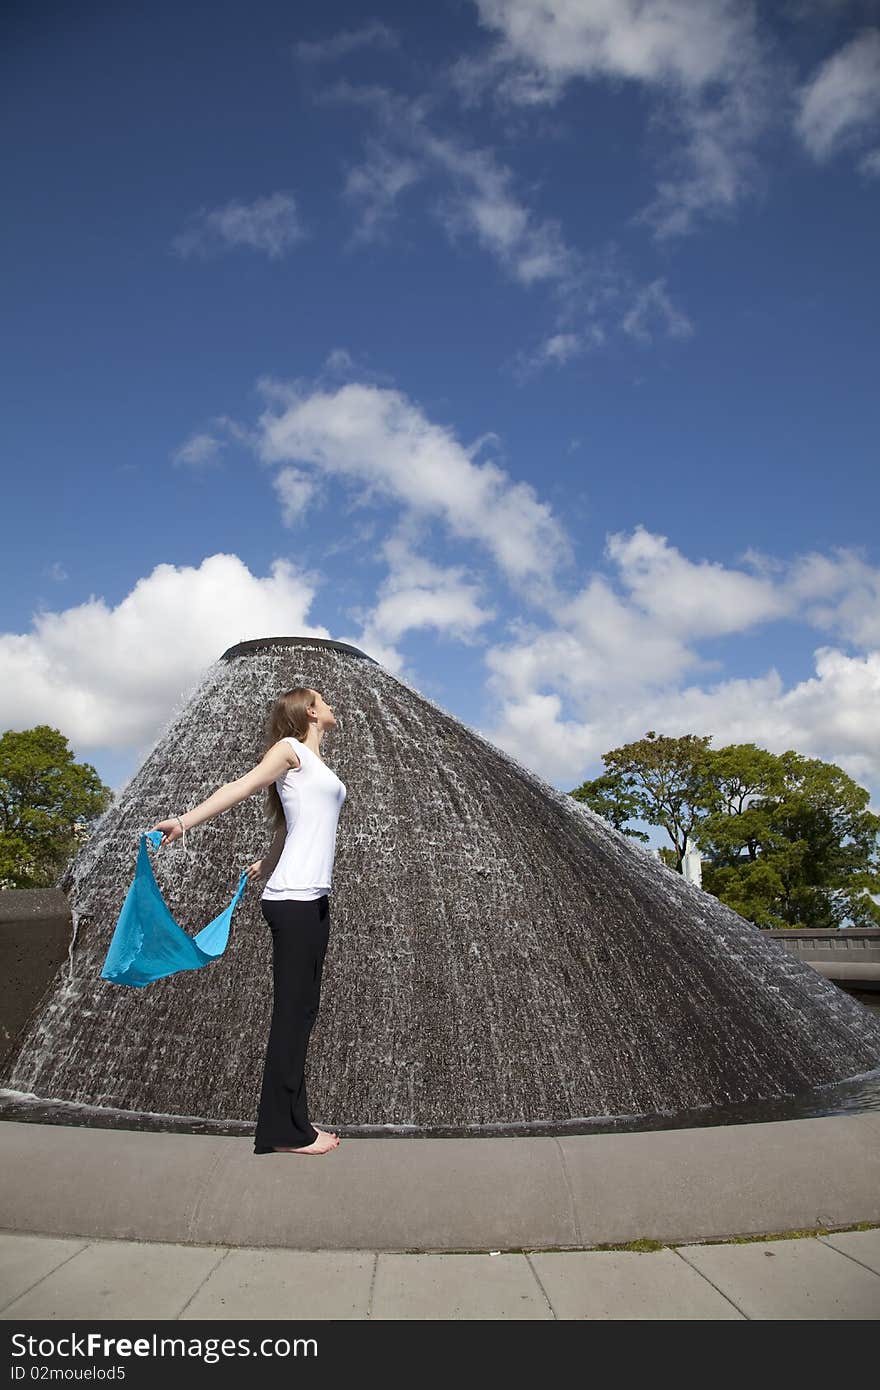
[[641, 1245], [647, 1245], [644, 1245], [793, 1235]]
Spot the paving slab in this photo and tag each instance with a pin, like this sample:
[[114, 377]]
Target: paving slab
[[863, 1246], [286, 1284], [761, 1280], [628, 1285], [118, 1279], [695, 1184], [457, 1287], [25, 1260], [789, 1279]]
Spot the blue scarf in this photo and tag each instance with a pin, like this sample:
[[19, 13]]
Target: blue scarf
[[147, 943]]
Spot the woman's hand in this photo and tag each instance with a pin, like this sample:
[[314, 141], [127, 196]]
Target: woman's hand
[[255, 870], [170, 831]]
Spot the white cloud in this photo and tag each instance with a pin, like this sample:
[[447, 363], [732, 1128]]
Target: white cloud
[[199, 451], [555, 350], [376, 185], [445, 602], [57, 572], [484, 205], [532, 730], [837, 593], [595, 294], [471, 76], [841, 102], [270, 225], [611, 665], [479, 198], [646, 40], [558, 350], [869, 164], [380, 441], [561, 347], [340, 365], [234, 429], [831, 715], [339, 360], [107, 676], [702, 599], [708, 152], [371, 644], [652, 306], [296, 490], [595, 644], [840, 595], [704, 61], [372, 35], [417, 595], [384, 103]]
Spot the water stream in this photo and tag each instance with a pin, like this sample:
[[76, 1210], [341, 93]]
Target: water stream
[[500, 959]]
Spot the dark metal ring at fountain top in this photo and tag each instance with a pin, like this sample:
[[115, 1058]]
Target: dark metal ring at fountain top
[[259, 643]]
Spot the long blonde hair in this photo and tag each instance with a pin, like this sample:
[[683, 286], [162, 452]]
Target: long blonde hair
[[286, 719]]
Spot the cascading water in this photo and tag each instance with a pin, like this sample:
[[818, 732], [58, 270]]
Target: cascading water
[[499, 956]]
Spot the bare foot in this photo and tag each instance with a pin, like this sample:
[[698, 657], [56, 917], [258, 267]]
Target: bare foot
[[322, 1145]]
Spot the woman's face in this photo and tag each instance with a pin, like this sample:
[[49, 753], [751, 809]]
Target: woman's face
[[326, 717]]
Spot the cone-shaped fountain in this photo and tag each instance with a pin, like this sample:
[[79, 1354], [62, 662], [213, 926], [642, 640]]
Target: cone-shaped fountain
[[498, 955]]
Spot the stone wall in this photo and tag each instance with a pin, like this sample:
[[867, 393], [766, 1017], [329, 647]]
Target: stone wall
[[850, 955], [35, 930]]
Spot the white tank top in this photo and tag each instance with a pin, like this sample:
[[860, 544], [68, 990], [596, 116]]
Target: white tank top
[[312, 797]]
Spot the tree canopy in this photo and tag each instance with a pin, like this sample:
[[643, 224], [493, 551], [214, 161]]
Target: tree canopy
[[44, 795], [787, 841]]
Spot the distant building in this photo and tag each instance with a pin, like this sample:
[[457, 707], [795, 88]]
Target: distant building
[[692, 864]]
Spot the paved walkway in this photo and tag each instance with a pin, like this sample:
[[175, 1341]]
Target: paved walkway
[[120, 1224], [823, 1277]]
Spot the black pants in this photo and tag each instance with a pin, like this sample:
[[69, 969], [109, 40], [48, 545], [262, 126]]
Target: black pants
[[300, 931]]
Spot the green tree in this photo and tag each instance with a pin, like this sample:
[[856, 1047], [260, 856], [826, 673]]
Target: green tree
[[656, 779], [790, 841], [787, 841], [742, 780], [611, 797], [43, 795]]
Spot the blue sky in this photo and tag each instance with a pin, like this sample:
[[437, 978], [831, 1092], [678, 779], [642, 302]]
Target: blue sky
[[530, 345]]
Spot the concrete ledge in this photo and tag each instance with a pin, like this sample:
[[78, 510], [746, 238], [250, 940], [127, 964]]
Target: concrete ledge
[[857, 971], [442, 1194], [849, 955]]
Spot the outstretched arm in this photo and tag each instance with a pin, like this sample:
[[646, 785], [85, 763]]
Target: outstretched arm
[[278, 760]]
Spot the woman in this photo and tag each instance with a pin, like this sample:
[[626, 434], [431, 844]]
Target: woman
[[305, 799]]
